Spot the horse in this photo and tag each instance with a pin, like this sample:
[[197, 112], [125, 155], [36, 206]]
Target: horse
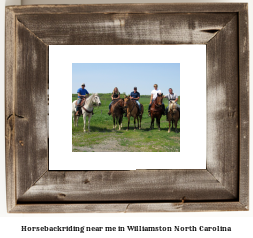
[[132, 110], [117, 111], [173, 115], [87, 109], [156, 111]]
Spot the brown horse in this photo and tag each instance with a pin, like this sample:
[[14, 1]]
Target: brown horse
[[156, 111], [117, 110], [133, 110], [173, 115]]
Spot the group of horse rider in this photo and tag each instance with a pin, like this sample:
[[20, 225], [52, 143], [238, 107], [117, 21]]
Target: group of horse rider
[[135, 96], [170, 96]]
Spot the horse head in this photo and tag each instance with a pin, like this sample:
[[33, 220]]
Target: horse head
[[173, 107], [159, 99], [121, 102], [96, 99], [126, 101]]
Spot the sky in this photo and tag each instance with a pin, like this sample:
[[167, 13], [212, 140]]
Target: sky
[[103, 77]]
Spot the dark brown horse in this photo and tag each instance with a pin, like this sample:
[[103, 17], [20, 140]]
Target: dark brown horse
[[133, 110], [156, 111], [173, 115], [117, 110]]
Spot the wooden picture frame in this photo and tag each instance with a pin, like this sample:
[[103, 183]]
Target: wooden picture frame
[[222, 186]]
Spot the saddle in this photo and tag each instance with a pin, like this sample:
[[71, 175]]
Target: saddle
[[115, 100], [81, 104]]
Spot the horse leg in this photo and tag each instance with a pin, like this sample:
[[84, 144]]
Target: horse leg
[[152, 123], [158, 123], [121, 119], [84, 122], [128, 123], [134, 123], [140, 122], [169, 127], [113, 122], [119, 123], [90, 115], [74, 117], [75, 120], [176, 126]]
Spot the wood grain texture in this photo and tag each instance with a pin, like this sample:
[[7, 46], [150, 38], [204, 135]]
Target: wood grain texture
[[244, 106], [133, 29], [223, 186], [155, 8], [186, 207], [140, 185], [31, 109], [9, 108], [222, 107], [129, 207]]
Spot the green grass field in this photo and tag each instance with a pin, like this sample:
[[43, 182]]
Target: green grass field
[[102, 137]]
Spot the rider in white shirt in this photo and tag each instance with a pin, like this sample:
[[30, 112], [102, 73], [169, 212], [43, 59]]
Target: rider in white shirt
[[171, 97], [153, 97]]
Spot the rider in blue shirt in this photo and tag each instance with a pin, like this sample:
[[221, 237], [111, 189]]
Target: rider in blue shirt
[[82, 93], [135, 96]]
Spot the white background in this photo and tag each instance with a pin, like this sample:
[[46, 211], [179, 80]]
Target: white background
[[192, 61], [241, 222]]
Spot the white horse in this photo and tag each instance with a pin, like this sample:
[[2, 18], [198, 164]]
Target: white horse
[[86, 110]]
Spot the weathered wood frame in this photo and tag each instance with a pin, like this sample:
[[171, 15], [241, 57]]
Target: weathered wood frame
[[222, 186]]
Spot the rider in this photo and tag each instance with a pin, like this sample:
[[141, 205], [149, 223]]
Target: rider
[[115, 95], [153, 97], [82, 93], [171, 97], [135, 97]]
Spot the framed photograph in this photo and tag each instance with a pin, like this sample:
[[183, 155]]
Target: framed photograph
[[36, 34], [170, 67]]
